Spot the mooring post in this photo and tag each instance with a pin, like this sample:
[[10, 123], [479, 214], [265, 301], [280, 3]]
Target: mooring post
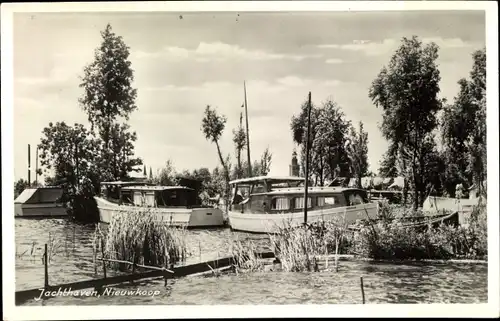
[[103, 258], [46, 266], [362, 289]]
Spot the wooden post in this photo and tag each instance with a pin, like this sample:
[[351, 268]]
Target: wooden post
[[306, 192], [326, 255], [362, 289], [46, 266], [103, 258]]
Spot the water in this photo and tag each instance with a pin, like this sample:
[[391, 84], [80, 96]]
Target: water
[[383, 282]]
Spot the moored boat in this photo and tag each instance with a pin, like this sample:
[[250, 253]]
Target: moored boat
[[40, 202], [263, 204], [174, 205]]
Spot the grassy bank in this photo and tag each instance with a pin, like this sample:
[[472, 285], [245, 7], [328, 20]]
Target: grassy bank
[[135, 236], [301, 249], [390, 239]]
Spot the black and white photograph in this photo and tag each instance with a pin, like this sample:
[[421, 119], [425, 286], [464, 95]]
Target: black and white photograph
[[189, 155]]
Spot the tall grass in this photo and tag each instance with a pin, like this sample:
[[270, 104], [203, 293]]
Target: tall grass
[[299, 248], [246, 257], [135, 236]]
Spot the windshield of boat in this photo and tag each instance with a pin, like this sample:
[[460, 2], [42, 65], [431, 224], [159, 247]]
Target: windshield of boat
[[284, 184]]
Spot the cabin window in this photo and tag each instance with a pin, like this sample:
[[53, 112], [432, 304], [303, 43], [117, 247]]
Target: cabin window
[[299, 202], [150, 199], [328, 200], [258, 188], [280, 203], [355, 199]]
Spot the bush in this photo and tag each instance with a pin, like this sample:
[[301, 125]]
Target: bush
[[390, 239]]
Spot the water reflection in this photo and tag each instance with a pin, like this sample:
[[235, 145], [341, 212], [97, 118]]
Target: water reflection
[[414, 282]]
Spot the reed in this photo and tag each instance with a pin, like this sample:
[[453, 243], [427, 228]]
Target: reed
[[299, 248], [246, 258], [136, 236]]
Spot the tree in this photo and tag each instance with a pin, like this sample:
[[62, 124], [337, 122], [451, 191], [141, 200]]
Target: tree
[[464, 128], [150, 173], [388, 166], [265, 162], [19, 187], [329, 128], [240, 140], [167, 176], [407, 90], [212, 127], [144, 172], [73, 155], [357, 148], [109, 98]]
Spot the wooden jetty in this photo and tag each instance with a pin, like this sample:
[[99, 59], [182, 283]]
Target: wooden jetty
[[210, 265]]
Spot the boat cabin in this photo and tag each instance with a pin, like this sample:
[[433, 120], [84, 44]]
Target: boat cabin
[[268, 195], [149, 195]]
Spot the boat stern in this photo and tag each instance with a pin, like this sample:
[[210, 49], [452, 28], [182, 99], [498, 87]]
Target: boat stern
[[206, 217]]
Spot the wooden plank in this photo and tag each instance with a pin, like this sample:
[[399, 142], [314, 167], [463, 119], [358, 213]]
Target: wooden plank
[[26, 295]]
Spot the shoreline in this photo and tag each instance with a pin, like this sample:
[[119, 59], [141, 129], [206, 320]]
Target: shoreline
[[352, 257]]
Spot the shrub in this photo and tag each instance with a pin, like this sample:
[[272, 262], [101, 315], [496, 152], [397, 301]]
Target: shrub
[[391, 239]]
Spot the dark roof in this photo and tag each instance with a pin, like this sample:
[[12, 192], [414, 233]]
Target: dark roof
[[156, 188]]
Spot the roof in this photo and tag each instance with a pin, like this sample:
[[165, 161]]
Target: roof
[[313, 190], [155, 188], [25, 195], [33, 195], [268, 178], [125, 183]]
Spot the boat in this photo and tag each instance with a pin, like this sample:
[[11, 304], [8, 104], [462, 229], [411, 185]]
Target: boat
[[40, 202], [462, 206], [176, 205], [264, 204]]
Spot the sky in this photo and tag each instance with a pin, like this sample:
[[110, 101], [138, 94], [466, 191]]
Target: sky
[[184, 63]]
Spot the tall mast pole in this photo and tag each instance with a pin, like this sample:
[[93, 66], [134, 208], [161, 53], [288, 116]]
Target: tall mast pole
[[306, 187], [29, 165], [36, 166], [248, 135]]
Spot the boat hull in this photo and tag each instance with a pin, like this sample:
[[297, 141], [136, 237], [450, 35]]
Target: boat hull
[[464, 207], [179, 217], [39, 210], [270, 223]]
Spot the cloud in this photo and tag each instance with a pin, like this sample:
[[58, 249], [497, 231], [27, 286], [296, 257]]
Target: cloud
[[371, 48], [278, 85], [218, 51], [334, 61], [448, 42], [367, 47]]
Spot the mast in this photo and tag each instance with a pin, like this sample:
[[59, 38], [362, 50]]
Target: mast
[[306, 189], [248, 135], [29, 165], [36, 166]]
